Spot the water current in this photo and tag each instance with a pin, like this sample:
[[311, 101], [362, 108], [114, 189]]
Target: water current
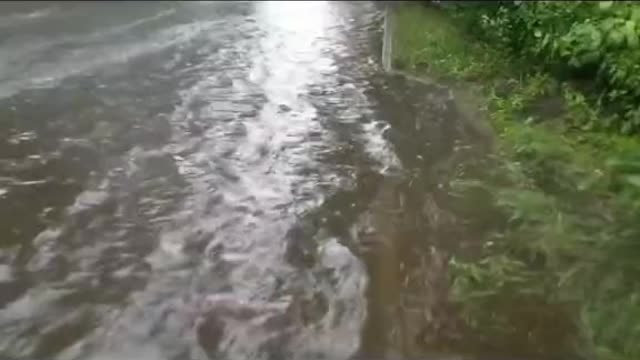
[[233, 180]]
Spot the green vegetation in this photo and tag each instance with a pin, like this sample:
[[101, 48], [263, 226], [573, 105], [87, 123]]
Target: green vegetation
[[582, 40], [565, 188]]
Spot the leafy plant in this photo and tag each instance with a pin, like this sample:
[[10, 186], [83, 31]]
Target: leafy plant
[[598, 41], [555, 210]]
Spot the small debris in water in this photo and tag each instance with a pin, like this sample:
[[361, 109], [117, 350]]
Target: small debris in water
[[284, 108]]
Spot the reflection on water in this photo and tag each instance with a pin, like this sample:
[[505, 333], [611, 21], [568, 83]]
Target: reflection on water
[[219, 179], [163, 158]]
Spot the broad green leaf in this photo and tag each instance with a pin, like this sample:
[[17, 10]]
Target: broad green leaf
[[630, 33], [616, 38], [605, 4], [629, 26], [635, 13], [596, 39], [632, 40], [633, 180], [608, 24]]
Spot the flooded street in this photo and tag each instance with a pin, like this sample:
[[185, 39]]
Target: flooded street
[[224, 180]]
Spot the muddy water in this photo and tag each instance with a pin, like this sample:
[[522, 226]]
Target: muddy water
[[220, 180]]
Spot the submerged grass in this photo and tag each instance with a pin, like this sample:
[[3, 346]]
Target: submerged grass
[[569, 198]]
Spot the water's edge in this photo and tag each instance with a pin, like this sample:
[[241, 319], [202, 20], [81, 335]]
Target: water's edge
[[387, 39]]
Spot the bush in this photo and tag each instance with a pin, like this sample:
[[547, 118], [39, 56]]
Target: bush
[[597, 41], [555, 209]]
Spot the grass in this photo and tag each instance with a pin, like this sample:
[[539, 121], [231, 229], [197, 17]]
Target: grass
[[439, 49], [569, 197]]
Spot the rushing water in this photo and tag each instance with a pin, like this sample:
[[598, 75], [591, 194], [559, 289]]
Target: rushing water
[[184, 180]]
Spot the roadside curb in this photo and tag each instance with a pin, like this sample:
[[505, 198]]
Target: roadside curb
[[387, 39]]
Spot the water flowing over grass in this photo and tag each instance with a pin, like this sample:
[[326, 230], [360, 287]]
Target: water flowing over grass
[[568, 196]]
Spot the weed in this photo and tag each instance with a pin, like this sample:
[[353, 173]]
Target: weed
[[597, 41], [568, 194]]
